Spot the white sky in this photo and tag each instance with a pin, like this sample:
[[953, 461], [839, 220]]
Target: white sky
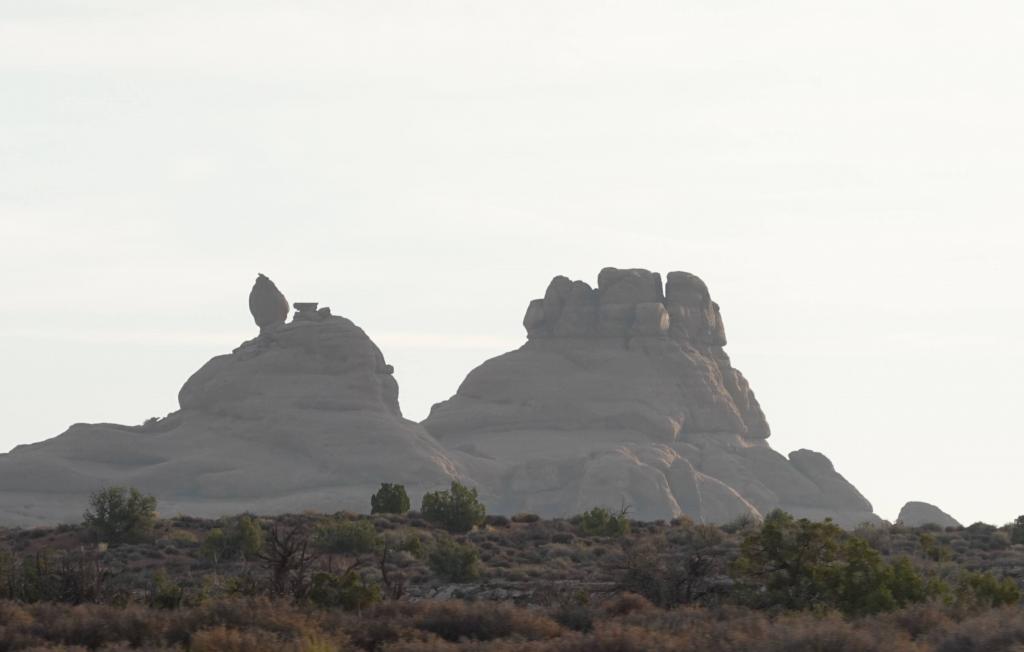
[[844, 175]]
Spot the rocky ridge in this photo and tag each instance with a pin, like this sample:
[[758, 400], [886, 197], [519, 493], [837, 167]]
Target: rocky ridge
[[622, 396]]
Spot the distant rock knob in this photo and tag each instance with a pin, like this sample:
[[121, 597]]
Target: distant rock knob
[[266, 303]]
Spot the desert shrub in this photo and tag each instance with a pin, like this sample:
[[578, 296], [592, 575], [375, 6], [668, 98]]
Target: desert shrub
[[525, 517], [245, 536], [574, 611], [496, 521], [347, 591], [985, 591], [454, 561], [919, 620], [389, 499], [932, 549], [1017, 530], [602, 522], [94, 626], [412, 543], [563, 537], [879, 537], [999, 541], [456, 510], [807, 633], [742, 523], [626, 603], [454, 620], [237, 538], [222, 639], [685, 566], [616, 637], [166, 594], [995, 630], [797, 564], [214, 546], [346, 537], [121, 514]]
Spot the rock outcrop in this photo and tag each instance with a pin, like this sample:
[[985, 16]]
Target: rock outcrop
[[916, 514], [624, 395], [305, 416]]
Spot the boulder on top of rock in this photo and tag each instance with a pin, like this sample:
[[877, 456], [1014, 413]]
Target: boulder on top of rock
[[266, 303], [303, 417]]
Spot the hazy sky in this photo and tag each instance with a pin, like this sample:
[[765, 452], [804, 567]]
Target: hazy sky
[[846, 176]]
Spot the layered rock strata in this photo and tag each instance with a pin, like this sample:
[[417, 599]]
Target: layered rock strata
[[623, 395]]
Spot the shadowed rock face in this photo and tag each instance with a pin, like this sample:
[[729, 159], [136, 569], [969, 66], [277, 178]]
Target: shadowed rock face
[[624, 395], [916, 514], [266, 303], [305, 416]]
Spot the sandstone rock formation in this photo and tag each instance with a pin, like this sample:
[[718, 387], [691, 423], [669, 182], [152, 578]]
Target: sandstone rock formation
[[266, 303], [305, 416], [623, 395], [916, 514]]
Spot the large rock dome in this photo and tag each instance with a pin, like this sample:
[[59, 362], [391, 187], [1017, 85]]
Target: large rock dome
[[623, 395], [917, 514], [304, 416]]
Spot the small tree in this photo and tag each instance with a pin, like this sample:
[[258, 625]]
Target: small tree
[[288, 556], [246, 537], [389, 499], [454, 561], [215, 546], [121, 514], [456, 510], [787, 560]]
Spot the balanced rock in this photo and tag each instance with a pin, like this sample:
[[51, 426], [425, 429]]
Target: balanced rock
[[623, 395], [266, 303], [916, 514], [305, 416]]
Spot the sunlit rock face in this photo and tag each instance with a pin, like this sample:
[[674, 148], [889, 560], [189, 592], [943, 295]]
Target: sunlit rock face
[[624, 396], [304, 416]]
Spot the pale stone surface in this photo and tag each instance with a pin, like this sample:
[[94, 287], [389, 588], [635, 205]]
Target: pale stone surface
[[623, 395], [916, 514], [305, 416]]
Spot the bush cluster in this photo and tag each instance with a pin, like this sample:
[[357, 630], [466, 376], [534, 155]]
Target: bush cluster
[[456, 510], [594, 582]]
